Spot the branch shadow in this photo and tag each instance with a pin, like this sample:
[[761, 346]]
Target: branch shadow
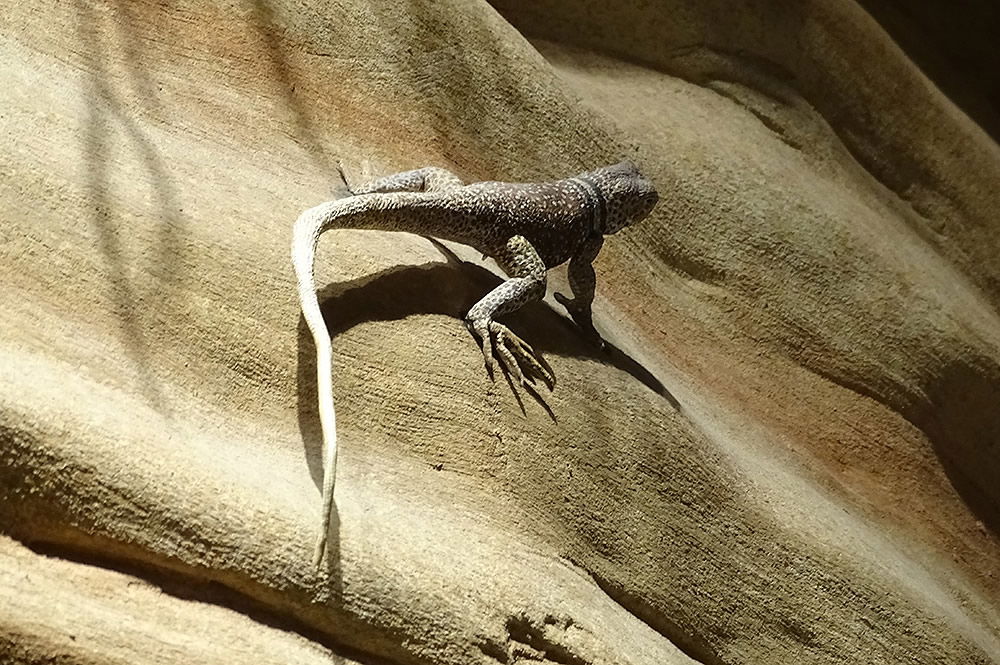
[[108, 110], [305, 133]]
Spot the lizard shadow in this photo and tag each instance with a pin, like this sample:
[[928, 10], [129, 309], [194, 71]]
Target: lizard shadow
[[437, 288]]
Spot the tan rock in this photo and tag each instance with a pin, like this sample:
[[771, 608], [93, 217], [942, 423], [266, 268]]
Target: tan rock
[[792, 454]]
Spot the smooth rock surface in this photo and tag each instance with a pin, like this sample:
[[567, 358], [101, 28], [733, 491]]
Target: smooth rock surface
[[790, 455]]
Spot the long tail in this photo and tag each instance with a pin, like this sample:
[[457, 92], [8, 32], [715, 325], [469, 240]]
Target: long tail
[[308, 229], [372, 211]]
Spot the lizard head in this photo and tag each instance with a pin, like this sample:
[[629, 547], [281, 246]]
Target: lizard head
[[629, 195]]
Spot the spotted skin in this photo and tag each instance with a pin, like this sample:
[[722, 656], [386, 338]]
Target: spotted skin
[[528, 228]]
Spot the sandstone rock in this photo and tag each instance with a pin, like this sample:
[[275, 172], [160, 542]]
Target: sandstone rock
[[791, 454]]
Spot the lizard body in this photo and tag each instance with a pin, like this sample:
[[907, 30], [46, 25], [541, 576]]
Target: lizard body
[[527, 228]]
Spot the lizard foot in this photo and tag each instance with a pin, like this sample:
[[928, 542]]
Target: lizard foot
[[584, 320], [515, 355]]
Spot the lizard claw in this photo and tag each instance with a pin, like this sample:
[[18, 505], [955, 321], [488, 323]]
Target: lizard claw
[[515, 355], [519, 359], [481, 330]]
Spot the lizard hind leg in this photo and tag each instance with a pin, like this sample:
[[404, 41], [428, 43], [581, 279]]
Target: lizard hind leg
[[526, 284], [427, 179]]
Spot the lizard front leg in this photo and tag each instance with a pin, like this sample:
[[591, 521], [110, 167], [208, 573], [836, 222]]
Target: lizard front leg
[[583, 283], [526, 284]]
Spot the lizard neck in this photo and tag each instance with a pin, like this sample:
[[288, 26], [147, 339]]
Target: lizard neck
[[595, 202]]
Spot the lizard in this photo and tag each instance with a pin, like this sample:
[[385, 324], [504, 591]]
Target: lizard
[[527, 228]]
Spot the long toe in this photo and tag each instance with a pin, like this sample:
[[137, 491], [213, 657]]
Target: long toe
[[534, 365], [509, 362]]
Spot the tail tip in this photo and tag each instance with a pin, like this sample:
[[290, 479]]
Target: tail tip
[[319, 552]]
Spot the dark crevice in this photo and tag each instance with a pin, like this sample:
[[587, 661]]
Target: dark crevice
[[954, 44], [958, 414], [495, 650], [17, 649], [768, 122], [690, 643], [189, 586]]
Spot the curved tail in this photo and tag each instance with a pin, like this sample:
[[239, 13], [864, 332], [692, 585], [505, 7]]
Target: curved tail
[[308, 229]]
